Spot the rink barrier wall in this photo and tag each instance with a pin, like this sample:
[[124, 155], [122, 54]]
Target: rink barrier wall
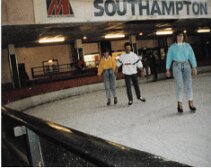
[[44, 143], [37, 100]]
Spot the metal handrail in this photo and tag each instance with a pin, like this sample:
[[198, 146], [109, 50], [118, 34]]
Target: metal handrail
[[39, 71], [68, 69], [94, 150]]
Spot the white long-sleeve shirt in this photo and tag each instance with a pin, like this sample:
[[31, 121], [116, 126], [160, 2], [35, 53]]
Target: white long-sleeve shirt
[[130, 62]]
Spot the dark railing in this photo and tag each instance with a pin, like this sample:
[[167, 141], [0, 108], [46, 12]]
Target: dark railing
[[41, 71], [62, 72], [37, 142]]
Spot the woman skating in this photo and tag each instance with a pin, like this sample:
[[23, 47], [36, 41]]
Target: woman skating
[[184, 63], [107, 68]]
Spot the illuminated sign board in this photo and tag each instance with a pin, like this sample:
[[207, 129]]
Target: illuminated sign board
[[73, 11]]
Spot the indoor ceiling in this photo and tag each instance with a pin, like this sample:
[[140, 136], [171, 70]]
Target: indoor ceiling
[[28, 35]]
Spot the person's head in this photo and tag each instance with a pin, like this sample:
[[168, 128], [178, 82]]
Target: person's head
[[127, 47], [180, 36], [105, 52]]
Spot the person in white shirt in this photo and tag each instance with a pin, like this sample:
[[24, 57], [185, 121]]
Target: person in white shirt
[[130, 62]]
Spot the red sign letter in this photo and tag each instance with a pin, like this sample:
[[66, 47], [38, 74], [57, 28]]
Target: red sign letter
[[59, 7]]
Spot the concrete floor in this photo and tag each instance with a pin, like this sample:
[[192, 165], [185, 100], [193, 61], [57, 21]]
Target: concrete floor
[[153, 126]]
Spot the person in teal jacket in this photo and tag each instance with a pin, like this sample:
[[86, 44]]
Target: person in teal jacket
[[181, 55]]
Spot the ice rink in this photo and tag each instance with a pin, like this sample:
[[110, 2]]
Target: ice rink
[[153, 126]]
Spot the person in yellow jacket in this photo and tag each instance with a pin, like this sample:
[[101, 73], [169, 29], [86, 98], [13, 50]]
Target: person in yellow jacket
[[107, 69]]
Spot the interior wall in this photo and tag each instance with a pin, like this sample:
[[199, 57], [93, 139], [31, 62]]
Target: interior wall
[[34, 56], [118, 45], [5, 70], [147, 43], [90, 48], [17, 12]]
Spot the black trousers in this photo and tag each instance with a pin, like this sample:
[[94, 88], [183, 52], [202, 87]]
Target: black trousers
[[134, 79]]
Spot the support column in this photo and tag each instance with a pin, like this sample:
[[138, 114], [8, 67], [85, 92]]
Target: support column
[[35, 155], [14, 66], [133, 43], [78, 51]]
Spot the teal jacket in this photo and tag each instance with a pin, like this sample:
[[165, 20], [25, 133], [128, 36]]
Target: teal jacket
[[180, 53]]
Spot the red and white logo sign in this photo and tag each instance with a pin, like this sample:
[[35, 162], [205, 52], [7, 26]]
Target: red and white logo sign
[[59, 8]]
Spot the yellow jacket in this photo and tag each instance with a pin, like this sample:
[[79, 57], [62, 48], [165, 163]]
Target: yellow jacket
[[106, 63]]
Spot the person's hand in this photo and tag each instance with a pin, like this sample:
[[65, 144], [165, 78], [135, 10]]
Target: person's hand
[[168, 73], [194, 71], [142, 72], [99, 76], [116, 71]]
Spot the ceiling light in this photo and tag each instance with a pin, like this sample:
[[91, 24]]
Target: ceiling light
[[185, 31], [163, 25], [167, 29], [164, 32], [203, 31], [140, 34], [110, 36], [52, 39]]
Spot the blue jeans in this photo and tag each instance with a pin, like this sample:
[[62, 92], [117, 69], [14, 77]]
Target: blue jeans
[[109, 79], [182, 74]]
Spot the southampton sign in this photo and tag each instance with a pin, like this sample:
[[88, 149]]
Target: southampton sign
[[149, 8], [73, 11]]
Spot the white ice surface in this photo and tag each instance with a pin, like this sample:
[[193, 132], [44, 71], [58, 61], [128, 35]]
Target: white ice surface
[[153, 126]]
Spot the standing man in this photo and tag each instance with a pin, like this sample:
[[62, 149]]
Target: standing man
[[130, 61]]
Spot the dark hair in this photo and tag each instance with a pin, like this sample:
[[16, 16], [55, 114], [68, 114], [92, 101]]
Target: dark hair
[[127, 44], [104, 50], [178, 32]]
